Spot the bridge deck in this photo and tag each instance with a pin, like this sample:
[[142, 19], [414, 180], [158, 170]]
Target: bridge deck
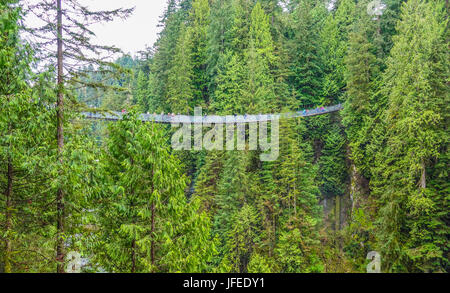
[[213, 119]]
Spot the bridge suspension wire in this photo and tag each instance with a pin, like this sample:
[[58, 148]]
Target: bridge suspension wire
[[213, 119]]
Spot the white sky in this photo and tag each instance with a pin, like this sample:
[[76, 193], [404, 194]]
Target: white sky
[[130, 35], [133, 34]]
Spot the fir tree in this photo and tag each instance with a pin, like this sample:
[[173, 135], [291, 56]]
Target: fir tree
[[180, 89], [73, 44], [148, 224], [411, 215]]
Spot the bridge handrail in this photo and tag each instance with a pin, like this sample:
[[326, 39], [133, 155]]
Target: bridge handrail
[[214, 119]]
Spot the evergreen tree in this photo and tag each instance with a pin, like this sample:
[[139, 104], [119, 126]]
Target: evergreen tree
[[297, 252], [233, 189], [334, 36], [218, 41], [206, 186], [228, 98], [363, 103], [259, 89], [241, 239], [73, 44], [142, 92], [165, 48], [200, 18], [411, 217], [304, 47], [180, 88], [298, 194], [14, 93], [148, 225], [130, 204]]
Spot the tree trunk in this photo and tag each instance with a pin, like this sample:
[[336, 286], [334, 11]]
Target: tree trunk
[[295, 199], [338, 213], [133, 256], [152, 223], [423, 177], [60, 140], [8, 195], [152, 247]]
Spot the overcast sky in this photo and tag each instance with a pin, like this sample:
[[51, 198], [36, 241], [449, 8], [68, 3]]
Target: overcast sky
[[130, 35], [134, 33]]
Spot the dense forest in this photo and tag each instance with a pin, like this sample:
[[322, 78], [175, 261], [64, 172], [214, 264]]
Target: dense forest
[[371, 177]]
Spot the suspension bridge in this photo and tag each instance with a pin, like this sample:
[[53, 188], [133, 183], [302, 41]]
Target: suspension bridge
[[212, 119]]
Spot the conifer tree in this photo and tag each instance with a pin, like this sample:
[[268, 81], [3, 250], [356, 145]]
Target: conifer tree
[[180, 88], [206, 186], [141, 95], [298, 196], [297, 251], [334, 36], [13, 98], [165, 47], [233, 189], [259, 57], [218, 41], [200, 18], [73, 46], [362, 101], [241, 239], [411, 213], [123, 198], [187, 79], [306, 61], [148, 224], [26, 148]]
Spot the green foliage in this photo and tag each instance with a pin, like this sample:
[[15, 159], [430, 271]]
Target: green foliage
[[334, 36], [206, 186], [25, 125], [147, 223], [180, 88], [306, 62], [333, 172], [241, 238], [130, 204], [294, 254], [411, 219]]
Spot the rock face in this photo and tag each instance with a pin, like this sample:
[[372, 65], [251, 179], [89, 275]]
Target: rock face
[[338, 209], [359, 187]]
